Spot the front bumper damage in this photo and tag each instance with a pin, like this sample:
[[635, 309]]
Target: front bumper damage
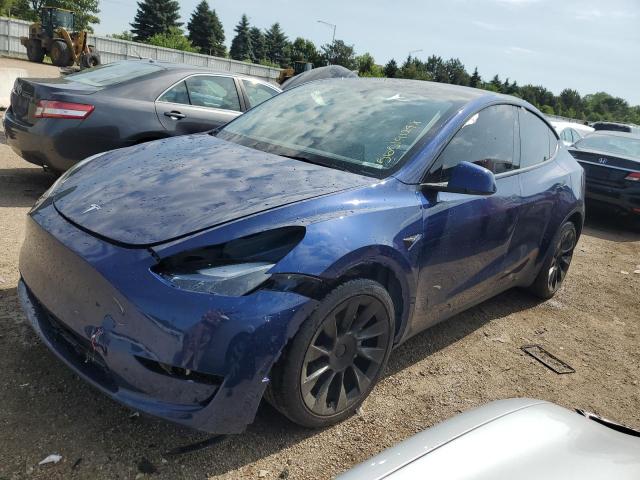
[[198, 360]]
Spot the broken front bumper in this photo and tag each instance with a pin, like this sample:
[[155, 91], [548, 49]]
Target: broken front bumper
[[195, 359]]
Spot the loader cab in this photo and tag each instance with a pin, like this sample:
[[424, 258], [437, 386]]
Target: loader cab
[[52, 18]]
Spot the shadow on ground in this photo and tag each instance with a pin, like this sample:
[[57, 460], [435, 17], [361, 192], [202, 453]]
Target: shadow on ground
[[21, 187]]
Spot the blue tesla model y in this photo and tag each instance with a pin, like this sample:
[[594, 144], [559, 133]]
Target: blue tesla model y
[[285, 255]]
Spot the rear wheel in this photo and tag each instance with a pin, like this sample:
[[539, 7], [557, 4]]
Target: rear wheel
[[337, 357], [60, 54], [554, 270], [35, 52]]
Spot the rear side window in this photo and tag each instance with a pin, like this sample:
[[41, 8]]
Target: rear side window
[[114, 73], [213, 92], [176, 94], [537, 142], [257, 92], [487, 139]]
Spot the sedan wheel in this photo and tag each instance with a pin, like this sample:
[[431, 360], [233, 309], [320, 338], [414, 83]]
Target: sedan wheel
[[337, 356]]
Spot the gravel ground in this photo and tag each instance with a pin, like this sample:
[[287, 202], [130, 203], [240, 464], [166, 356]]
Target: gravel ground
[[593, 324]]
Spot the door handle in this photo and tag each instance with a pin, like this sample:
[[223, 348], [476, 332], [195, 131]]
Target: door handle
[[174, 115]]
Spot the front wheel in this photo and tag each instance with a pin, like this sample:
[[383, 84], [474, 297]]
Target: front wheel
[[555, 268], [35, 52], [337, 357]]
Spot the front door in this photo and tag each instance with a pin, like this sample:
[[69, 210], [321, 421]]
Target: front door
[[467, 236]]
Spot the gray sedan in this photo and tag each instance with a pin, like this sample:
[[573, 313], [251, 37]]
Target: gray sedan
[[511, 439], [58, 122]]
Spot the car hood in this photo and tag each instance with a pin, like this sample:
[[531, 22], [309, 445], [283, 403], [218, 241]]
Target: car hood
[[163, 190], [507, 439]]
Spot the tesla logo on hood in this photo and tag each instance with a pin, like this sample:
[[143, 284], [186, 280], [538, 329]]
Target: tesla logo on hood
[[603, 160], [92, 207]]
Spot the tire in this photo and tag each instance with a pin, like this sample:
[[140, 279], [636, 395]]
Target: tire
[[60, 54], [90, 60], [326, 372], [35, 52], [555, 268]]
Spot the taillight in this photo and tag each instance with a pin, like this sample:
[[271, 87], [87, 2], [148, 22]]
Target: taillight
[[54, 109], [633, 177]]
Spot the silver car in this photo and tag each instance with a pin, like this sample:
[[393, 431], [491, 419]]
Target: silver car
[[511, 439]]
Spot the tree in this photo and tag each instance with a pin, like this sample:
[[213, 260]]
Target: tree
[[339, 53], [155, 16], [241, 48], [18, 9], [366, 64], [276, 45], [258, 44], [205, 30], [475, 80], [456, 73], [303, 50], [391, 69], [172, 39]]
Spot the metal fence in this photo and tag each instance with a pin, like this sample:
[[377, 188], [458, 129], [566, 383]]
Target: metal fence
[[112, 50]]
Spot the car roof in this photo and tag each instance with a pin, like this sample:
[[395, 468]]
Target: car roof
[[186, 68], [615, 133]]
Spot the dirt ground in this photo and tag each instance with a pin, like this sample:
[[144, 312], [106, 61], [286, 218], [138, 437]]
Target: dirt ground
[[593, 324]]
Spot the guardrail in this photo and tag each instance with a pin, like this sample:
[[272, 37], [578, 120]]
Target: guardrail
[[112, 49]]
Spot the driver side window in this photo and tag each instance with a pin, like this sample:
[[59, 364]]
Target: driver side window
[[487, 139]]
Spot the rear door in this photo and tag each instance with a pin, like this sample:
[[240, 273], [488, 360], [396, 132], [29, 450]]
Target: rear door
[[199, 103], [543, 182]]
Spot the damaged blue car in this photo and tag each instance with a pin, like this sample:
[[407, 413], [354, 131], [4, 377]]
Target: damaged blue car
[[285, 255]]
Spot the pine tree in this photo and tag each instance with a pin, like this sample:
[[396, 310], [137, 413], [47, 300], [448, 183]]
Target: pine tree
[[241, 48], [276, 43], [155, 16], [258, 45], [391, 69], [205, 30], [476, 80]]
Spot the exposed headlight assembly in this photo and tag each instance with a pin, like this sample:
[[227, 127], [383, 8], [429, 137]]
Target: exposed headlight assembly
[[234, 268]]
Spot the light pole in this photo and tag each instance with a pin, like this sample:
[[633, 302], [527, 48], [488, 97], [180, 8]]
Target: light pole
[[333, 38], [414, 51]]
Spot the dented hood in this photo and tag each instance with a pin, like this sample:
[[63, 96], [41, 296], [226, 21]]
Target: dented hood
[[162, 190]]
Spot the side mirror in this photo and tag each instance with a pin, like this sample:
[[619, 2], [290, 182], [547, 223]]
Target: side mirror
[[467, 178]]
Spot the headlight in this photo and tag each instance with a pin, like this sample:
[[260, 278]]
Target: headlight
[[234, 268], [56, 185], [232, 280]]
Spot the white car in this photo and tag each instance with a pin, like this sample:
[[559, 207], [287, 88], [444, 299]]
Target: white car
[[571, 132], [511, 439]]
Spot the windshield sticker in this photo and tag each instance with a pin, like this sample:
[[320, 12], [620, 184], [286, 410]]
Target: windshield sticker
[[389, 156]]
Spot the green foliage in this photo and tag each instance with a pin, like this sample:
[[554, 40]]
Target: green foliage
[[20, 9], [475, 80], [259, 46], [367, 66], [391, 69], [205, 30], [154, 17], [172, 39], [339, 53], [303, 50], [241, 47], [126, 35], [277, 46]]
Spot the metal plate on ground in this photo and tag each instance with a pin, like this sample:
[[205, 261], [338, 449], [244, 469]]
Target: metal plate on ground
[[548, 359]]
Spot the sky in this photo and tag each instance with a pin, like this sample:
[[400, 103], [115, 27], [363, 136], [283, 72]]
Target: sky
[[587, 45]]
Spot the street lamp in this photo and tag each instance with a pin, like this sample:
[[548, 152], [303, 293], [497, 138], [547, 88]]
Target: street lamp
[[414, 51], [333, 40]]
